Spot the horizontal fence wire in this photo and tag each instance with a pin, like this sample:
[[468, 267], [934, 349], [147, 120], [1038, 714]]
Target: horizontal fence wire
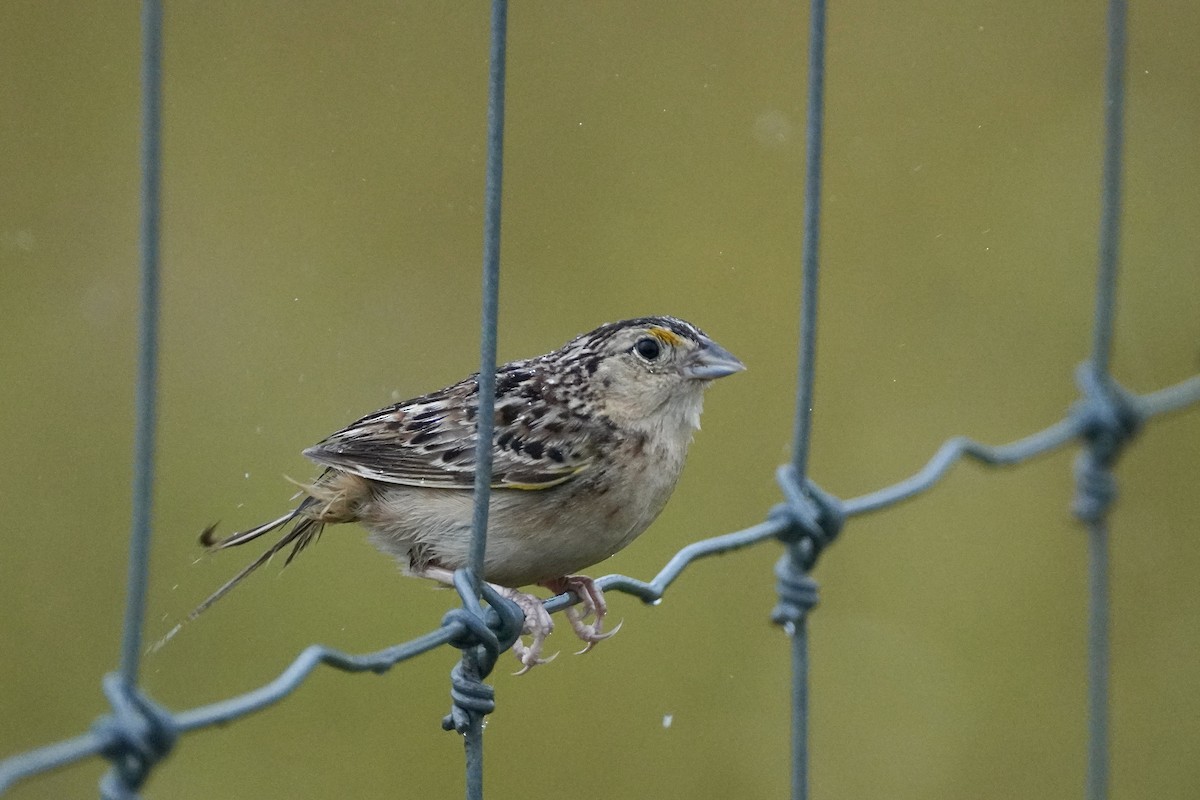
[[138, 732]]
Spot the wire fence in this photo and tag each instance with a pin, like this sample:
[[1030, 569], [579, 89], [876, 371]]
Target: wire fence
[[139, 733]]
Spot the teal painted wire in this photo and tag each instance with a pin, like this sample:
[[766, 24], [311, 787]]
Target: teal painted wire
[[802, 429], [802, 432], [147, 369], [491, 287], [1096, 785], [799, 636], [1110, 192], [473, 738]]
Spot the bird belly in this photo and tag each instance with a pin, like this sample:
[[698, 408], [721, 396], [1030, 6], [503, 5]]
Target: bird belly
[[533, 536]]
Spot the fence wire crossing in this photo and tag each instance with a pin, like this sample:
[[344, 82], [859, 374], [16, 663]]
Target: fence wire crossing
[[139, 733]]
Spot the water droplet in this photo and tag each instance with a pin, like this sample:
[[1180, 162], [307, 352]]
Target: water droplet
[[667, 720]]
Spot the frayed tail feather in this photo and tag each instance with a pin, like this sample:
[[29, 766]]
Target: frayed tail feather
[[304, 532], [210, 541]]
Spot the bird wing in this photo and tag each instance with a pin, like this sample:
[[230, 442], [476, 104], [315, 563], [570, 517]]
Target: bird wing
[[431, 442]]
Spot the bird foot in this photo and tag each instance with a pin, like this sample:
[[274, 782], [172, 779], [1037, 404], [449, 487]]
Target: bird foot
[[537, 625], [591, 605]]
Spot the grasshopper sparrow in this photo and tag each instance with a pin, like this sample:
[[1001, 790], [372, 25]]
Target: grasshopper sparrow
[[589, 442]]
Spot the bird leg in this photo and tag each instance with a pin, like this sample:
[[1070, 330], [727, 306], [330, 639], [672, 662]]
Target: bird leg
[[591, 599]]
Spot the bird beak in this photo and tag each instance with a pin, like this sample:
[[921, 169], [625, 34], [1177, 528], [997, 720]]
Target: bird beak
[[711, 361]]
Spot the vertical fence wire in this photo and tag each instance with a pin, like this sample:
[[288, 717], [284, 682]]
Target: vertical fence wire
[[1110, 197], [794, 564], [814, 132], [138, 732], [1096, 785], [491, 285], [145, 410], [799, 637], [489, 304]]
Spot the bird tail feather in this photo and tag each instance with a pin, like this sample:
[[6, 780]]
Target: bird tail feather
[[304, 532]]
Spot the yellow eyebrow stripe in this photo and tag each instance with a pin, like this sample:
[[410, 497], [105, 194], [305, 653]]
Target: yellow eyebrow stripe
[[666, 336]]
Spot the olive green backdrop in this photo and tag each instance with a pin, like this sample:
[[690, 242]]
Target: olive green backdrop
[[323, 177]]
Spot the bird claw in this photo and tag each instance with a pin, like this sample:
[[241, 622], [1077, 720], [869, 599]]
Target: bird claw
[[528, 658], [591, 605], [590, 635]]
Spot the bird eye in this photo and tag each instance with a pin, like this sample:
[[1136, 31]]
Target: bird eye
[[648, 348]]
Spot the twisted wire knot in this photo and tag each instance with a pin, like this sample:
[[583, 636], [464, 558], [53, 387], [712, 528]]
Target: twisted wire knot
[[797, 591], [476, 633], [137, 734], [1109, 417], [485, 635], [814, 517], [470, 698]]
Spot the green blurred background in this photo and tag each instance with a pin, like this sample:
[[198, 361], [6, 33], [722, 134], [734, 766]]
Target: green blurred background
[[321, 245]]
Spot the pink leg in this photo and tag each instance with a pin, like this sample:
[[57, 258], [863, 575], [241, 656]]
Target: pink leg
[[591, 599]]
